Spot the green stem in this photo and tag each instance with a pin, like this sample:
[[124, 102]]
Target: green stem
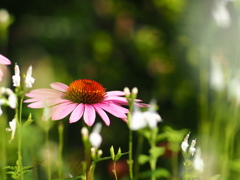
[[115, 170], [60, 149], [48, 156], [139, 151], [175, 165], [92, 169], [3, 156], [19, 161]]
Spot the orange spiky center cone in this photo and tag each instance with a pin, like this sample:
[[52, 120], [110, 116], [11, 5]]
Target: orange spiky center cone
[[85, 91]]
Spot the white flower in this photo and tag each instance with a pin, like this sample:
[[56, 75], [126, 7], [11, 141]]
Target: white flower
[[234, 89], [2, 101], [192, 148], [221, 14], [198, 162], [95, 138], [4, 16], [12, 98], [216, 75], [84, 132], [13, 126], [151, 116], [16, 78], [29, 80], [185, 144], [137, 121], [12, 101], [148, 118]]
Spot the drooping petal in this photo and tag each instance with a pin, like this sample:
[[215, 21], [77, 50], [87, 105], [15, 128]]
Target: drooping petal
[[102, 114], [59, 86], [60, 111], [116, 99], [113, 109], [4, 60], [77, 113], [89, 115]]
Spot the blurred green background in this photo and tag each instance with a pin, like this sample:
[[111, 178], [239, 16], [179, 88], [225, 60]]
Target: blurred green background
[[158, 46]]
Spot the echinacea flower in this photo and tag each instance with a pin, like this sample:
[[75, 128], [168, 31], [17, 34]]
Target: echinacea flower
[[82, 98], [4, 61]]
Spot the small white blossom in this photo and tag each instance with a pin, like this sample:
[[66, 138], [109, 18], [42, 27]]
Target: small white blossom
[[185, 144], [12, 101], [220, 13], [151, 116], [13, 126], [12, 98], [148, 118], [16, 78], [95, 138], [4, 16], [137, 121], [2, 101], [198, 162], [84, 132], [192, 148], [29, 79], [234, 88], [216, 75]]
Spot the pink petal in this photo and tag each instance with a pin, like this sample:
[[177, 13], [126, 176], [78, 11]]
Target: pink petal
[[115, 93], [113, 109], [59, 86], [77, 113], [102, 114], [4, 60], [38, 104], [62, 110], [44, 93], [89, 115], [116, 99]]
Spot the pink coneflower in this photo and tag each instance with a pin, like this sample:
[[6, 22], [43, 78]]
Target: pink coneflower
[[4, 61], [83, 97]]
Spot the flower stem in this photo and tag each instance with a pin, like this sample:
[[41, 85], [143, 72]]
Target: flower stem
[[48, 156], [115, 170], [19, 120], [139, 150], [92, 169], [60, 149], [3, 147]]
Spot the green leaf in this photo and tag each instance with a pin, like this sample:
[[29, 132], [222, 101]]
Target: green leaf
[[142, 159], [28, 121], [11, 172], [215, 177], [161, 137], [156, 152], [9, 167], [112, 152], [118, 155], [160, 172]]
